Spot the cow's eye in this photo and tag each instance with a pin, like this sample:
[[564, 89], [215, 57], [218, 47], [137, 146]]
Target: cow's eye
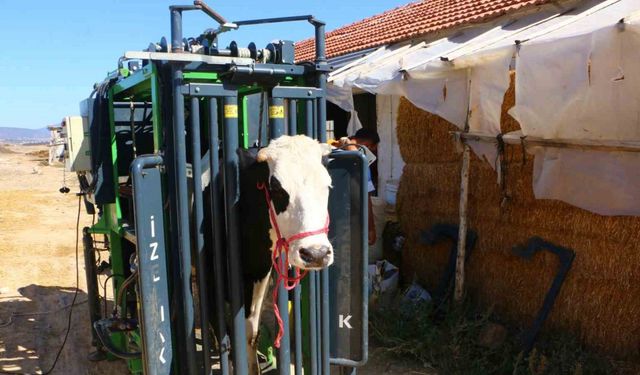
[[279, 196]]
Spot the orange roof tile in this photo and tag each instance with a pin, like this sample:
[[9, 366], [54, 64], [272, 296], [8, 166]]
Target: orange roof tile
[[410, 21]]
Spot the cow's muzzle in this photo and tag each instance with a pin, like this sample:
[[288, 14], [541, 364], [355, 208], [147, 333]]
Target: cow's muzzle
[[316, 257]]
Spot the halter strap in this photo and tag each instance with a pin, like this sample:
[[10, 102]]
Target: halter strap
[[282, 267]]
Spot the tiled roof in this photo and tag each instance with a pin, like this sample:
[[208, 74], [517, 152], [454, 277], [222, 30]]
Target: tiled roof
[[410, 21]]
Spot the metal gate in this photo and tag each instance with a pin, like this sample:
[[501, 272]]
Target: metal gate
[[187, 113]]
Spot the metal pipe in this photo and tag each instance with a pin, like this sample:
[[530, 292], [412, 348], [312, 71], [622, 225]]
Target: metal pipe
[[297, 328], [320, 42], [313, 316], [232, 198], [210, 12], [276, 117], [276, 129], [176, 29], [309, 104], [318, 328], [201, 265], [293, 114], [326, 339], [284, 353], [274, 20], [217, 222], [92, 283], [185, 326], [253, 70]]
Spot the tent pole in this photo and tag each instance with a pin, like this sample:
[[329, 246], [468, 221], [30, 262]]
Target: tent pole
[[462, 229], [461, 255]]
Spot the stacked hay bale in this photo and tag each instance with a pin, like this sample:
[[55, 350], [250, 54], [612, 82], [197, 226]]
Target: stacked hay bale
[[599, 300]]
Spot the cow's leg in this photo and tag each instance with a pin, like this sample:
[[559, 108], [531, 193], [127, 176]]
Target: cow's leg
[[253, 322]]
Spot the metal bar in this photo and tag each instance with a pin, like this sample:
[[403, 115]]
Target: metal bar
[[274, 20], [296, 92], [297, 328], [284, 353], [517, 138], [187, 57], [276, 117], [210, 12], [318, 328], [201, 265], [321, 65], [309, 104], [293, 117], [208, 89], [313, 329], [268, 70], [176, 30], [462, 234], [326, 338], [186, 326], [153, 285], [92, 284], [232, 197], [217, 223], [277, 129]]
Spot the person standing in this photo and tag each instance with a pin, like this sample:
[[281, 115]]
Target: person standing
[[368, 139]]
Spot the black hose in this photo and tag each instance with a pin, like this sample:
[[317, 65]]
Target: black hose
[[103, 335]]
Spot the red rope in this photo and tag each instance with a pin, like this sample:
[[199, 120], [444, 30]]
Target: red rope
[[282, 266]]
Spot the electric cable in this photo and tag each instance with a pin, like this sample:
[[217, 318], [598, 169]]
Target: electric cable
[[73, 302]]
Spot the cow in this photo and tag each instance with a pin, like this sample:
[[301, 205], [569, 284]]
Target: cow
[[291, 168]]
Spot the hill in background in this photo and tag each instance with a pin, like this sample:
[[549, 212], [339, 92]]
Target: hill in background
[[21, 135]]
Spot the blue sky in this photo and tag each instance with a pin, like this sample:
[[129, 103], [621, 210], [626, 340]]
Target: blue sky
[[54, 51]]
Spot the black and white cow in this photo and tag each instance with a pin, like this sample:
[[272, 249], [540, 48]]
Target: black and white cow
[[292, 169]]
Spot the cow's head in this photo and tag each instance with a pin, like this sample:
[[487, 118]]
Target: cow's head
[[299, 184]]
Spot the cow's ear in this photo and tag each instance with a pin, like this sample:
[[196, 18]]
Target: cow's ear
[[264, 155], [247, 157]]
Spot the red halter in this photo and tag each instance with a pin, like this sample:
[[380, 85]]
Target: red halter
[[282, 268]]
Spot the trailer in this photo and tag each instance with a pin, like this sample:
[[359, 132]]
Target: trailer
[[147, 133]]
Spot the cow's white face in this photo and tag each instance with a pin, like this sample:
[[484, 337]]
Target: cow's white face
[[299, 186]]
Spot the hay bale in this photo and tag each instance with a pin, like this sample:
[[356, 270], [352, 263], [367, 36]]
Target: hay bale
[[600, 299], [508, 123], [424, 137]]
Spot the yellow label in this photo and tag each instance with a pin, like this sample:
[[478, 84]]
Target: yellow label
[[231, 111], [276, 111]]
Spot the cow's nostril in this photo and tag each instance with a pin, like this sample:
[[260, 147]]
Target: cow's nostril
[[307, 255]]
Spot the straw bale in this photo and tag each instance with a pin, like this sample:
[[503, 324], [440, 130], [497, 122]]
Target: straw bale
[[599, 300], [424, 137], [427, 195], [508, 123]]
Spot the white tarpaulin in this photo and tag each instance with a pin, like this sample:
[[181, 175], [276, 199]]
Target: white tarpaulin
[[578, 77], [589, 89], [343, 98]]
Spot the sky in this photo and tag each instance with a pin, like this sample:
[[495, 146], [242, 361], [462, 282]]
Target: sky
[[54, 51]]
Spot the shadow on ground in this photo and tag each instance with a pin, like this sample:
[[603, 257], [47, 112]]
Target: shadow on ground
[[32, 328]]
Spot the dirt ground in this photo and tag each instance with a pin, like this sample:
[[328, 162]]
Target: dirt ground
[[37, 269], [38, 274]]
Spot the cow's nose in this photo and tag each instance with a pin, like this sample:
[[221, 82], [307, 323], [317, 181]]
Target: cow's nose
[[315, 256]]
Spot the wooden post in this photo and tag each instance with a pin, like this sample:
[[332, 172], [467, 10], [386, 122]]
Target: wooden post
[[462, 230]]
